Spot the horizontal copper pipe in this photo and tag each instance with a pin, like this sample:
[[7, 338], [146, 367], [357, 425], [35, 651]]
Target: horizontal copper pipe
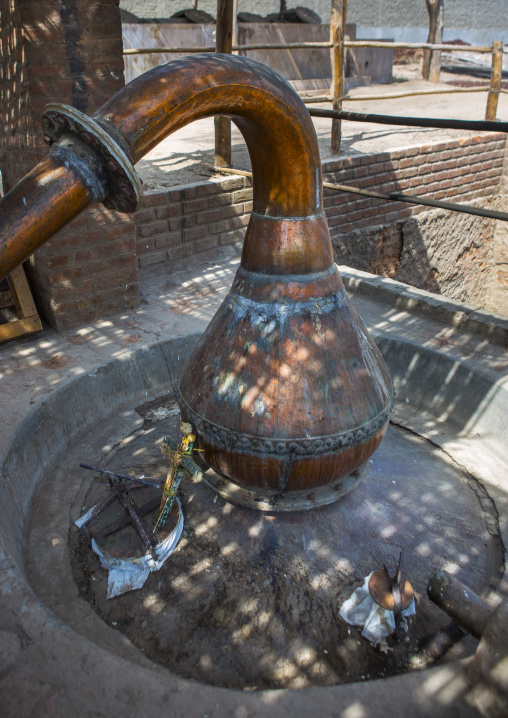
[[43, 202]]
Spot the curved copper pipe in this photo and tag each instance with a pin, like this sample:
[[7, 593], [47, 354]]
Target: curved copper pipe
[[276, 126]]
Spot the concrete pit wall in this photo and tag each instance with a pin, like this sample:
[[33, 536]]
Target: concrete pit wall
[[440, 251]]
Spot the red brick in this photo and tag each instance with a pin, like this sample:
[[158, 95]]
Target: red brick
[[148, 230]]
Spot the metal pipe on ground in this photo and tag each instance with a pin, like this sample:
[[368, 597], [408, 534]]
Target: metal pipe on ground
[[460, 603]]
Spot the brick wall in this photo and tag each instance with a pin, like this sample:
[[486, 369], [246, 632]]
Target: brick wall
[[185, 221], [66, 51]]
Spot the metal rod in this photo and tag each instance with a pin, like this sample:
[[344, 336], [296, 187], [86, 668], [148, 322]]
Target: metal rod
[[459, 602], [396, 197], [477, 125], [125, 520], [147, 481]]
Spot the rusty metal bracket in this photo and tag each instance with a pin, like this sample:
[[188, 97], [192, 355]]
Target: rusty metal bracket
[[125, 192]]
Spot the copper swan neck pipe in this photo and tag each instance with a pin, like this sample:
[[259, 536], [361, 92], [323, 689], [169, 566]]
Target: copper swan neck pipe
[[276, 126], [280, 136]]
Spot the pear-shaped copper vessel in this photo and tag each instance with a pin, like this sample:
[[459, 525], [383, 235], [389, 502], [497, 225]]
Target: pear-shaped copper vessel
[[286, 389]]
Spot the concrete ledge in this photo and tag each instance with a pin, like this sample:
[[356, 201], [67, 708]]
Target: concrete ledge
[[448, 311]]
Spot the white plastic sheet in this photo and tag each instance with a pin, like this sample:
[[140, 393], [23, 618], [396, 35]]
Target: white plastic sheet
[[130, 574], [360, 609]]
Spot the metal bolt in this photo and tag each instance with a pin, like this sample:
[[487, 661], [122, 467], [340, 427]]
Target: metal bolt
[[112, 165], [62, 121], [126, 191], [220, 483], [311, 497], [88, 138]]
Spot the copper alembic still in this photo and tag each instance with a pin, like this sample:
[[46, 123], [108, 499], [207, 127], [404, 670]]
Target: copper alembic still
[[286, 390]]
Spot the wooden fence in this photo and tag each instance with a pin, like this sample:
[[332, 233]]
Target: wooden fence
[[338, 44]]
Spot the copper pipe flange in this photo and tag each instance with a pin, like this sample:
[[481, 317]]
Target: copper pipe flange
[[273, 500], [125, 192]]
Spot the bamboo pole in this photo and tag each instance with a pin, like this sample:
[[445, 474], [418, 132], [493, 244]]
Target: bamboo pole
[[495, 81], [431, 66], [310, 45], [337, 30], [224, 43], [418, 46], [413, 93]]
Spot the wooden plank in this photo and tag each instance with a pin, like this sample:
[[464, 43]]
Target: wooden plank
[[23, 300], [19, 328], [495, 81], [224, 43]]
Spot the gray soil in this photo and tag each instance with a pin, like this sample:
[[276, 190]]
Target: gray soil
[[250, 600]]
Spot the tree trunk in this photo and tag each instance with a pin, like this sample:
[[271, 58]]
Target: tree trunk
[[432, 59]]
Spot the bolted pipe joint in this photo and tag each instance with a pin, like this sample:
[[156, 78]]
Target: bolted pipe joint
[[85, 144]]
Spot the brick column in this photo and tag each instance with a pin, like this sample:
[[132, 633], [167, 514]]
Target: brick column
[[66, 51]]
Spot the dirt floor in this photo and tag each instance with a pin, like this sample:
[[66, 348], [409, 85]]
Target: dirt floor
[[249, 600]]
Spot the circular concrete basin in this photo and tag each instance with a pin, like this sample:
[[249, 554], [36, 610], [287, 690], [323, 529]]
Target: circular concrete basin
[[438, 511]]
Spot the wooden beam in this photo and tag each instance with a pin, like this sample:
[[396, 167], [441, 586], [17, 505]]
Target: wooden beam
[[431, 67], [495, 81], [337, 29], [223, 43]]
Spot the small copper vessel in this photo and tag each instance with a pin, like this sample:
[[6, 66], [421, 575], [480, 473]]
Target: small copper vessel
[[286, 389]]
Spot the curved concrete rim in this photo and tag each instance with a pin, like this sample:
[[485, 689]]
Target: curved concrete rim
[[82, 673]]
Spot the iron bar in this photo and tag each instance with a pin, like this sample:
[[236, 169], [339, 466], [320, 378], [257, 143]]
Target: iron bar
[[448, 124], [125, 520], [150, 481], [397, 197]]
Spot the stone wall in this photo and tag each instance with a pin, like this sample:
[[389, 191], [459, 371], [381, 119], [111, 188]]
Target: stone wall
[[66, 51]]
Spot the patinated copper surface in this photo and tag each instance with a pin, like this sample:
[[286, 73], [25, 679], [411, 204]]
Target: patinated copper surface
[[286, 389]]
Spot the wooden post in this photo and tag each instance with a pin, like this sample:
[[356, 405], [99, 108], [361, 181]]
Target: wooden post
[[337, 31], [432, 58], [223, 43], [495, 81], [235, 26]]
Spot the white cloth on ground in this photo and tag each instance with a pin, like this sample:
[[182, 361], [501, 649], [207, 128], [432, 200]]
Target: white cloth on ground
[[360, 609]]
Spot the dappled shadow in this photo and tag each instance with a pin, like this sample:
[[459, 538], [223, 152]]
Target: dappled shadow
[[251, 599]]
